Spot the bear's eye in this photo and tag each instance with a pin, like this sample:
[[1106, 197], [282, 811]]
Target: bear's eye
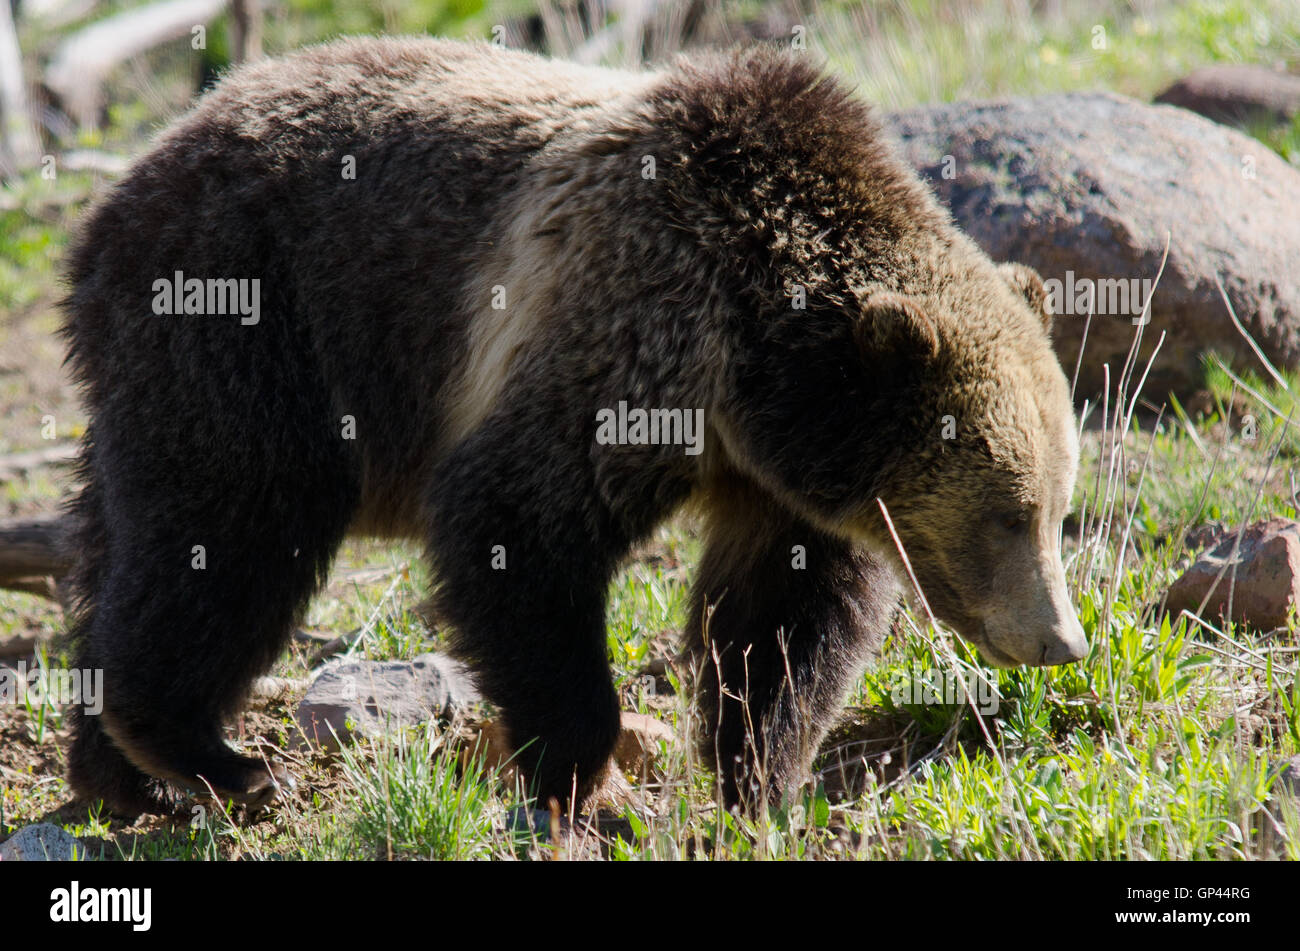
[[1015, 521]]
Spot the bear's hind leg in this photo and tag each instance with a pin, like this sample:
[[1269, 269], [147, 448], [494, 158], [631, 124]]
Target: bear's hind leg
[[98, 770], [199, 584], [783, 617]]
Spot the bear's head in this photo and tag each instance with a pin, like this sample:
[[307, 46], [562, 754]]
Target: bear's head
[[985, 458], [871, 351]]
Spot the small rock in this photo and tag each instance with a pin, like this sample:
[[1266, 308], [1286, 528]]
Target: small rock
[[638, 741], [490, 742], [275, 688], [1236, 93], [638, 745], [1263, 576], [42, 842], [17, 645], [1287, 783], [379, 695], [532, 821]]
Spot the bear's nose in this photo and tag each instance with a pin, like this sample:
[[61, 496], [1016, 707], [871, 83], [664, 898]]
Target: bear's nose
[[1065, 647]]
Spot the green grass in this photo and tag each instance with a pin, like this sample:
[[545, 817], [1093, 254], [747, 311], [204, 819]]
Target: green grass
[[905, 54], [36, 214], [412, 799], [1283, 138]]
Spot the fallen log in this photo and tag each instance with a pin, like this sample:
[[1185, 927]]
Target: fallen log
[[77, 71], [17, 463], [21, 144], [33, 555]]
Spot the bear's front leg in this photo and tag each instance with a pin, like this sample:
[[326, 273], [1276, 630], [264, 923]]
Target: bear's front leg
[[523, 552], [783, 618]]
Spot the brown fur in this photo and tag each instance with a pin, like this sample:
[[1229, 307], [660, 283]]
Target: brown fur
[[479, 167]]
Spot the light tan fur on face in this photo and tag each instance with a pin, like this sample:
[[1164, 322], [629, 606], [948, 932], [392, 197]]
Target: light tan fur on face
[[1016, 453], [1032, 620]]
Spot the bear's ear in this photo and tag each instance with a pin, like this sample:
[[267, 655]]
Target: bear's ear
[[1024, 280], [894, 324]]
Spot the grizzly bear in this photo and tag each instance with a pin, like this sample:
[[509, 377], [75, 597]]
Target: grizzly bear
[[401, 286]]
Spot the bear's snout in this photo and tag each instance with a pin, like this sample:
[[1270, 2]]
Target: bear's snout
[[1064, 646], [1043, 630], [1064, 643]]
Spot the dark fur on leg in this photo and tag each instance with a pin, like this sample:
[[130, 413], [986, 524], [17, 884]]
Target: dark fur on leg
[[267, 488], [534, 629], [102, 773], [777, 647], [178, 652], [97, 769], [533, 625]]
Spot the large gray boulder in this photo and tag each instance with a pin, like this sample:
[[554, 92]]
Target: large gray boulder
[[1085, 187]]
